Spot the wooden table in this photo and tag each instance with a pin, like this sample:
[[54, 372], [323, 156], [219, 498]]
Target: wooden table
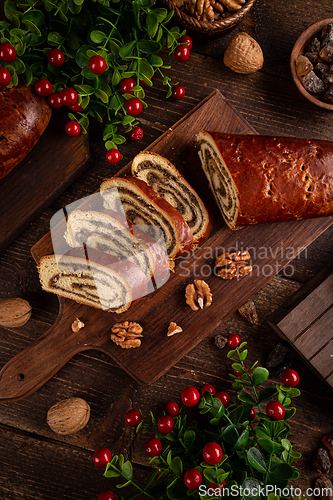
[[37, 464]]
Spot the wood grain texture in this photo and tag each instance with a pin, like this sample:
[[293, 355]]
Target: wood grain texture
[[269, 101], [271, 247], [40, 178]]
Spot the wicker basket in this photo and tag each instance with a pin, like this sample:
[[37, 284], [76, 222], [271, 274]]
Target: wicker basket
[[209, 28]]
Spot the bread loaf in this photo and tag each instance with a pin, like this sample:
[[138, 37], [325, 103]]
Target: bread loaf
[[143, 207], [258, 179], [96, 279], [24, 116], [109, 232], [168, 182]]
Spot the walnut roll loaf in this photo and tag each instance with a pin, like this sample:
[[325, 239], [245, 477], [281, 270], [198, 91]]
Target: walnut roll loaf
[[95, 279], [143, 207], [169, 183], [110, 232], [258, 179]]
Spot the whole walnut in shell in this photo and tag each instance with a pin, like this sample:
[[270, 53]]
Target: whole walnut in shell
[[68, 416], [243, 54]]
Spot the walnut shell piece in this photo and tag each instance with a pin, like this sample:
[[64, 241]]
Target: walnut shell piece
[[243, 54], [173, 329], [77, 325], [14, 312], [68, 416]]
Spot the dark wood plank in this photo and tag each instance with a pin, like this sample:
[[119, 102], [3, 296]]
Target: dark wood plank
[[40, 178]]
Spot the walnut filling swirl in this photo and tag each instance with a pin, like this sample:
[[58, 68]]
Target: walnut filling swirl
[[220, 181], [141, 213]]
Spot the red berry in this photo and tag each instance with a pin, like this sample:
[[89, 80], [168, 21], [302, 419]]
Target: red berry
[[73, 128], [252, 415], [186, 39], [56, 58], [182, 53], [207, 387], [165, 424], [223, 397], [153, 447], [190, 396], [212, 453], [290, 377], [234, 340], [133, 418], [126, 85], [275, 410], [238, 374], [44, 87], [133, 106], [76, 107], [192, 479], [69, 96], [107, 495], [97, 64], [136, 134], [5, 77], [102, 457], [55, 100], [7, 52], [171, 408], [178, 91], [113, 156]]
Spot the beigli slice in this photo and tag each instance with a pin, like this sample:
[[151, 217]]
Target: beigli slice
[[257, 179], [142, 206], [110, 232], [94, 278], [170, 184]]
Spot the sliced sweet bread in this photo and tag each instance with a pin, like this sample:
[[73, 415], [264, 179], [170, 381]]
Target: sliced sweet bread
[[110, 232], [169, 183], [95, 279], [142, 206]]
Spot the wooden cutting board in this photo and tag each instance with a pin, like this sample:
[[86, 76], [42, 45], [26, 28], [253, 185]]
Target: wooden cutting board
[[306, 322], [51, 166], [271, 246]]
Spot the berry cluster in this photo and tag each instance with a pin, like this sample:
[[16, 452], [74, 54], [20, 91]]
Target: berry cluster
[[240, 433]]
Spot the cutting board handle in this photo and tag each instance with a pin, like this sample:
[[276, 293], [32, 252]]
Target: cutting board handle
[[35, 365]]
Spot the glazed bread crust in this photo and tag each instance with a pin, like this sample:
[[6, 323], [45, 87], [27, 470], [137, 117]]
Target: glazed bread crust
[[24, 116], [257, 179]]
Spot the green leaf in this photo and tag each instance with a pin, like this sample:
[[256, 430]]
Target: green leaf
[[242, 440], [177, 490], [210, 474], [155, 60], [97, 36], [262, 433], [84, 89], [31, 27], [189, 438], [256, 460], [246, 398], [123, 485], [169, 458], [236, 414], [128, 470], [127, 120], [34, 16], [126, 49], [260, 374], [242, 355], [251, 489], [149, 46], [55, 38], [102, 96], [273, 496], [266, 394], [151, 24], [294, 392], [111, 473], [230, 434], [121, 462], [177, 466], [284, 400], [27, 75], [282, 471], [270, 446], [151, 478], [116, 77], [290, 412], [160, 13]]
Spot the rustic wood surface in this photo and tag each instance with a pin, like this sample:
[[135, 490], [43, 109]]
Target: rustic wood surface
[[40, 465]]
